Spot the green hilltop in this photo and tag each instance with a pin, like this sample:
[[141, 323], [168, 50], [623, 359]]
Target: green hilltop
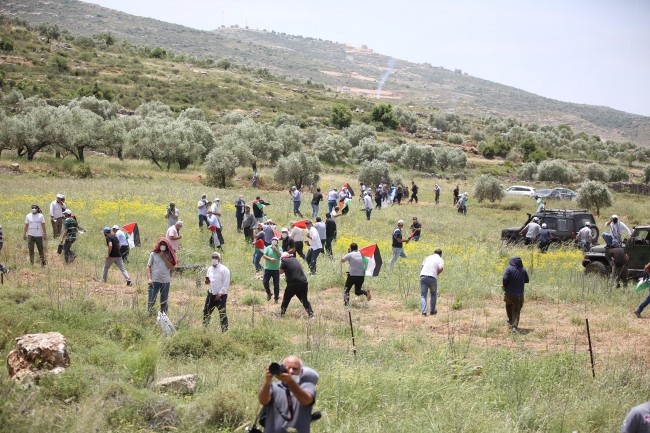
[[339, 66]]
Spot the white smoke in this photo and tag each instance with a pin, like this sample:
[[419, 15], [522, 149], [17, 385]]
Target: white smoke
[[384, 77]]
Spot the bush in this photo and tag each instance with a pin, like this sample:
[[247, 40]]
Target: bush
[[341, 116], [594, 195], [488, 187], [375, 172], [455, 139], [6, 44], [406, 118], [527, 171], [383, 113], [332, 148], [73, 382], [450, 157], [356, 133], [368, 150], [646, 172], [142, 366], [82, 171], [618, 174], [556, 170], [595, 171], [285, 119], [299, 168], [59, 64], [227, 409], [192, 343]]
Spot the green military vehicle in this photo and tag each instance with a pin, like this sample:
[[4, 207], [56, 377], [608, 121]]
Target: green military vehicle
[[598, 260]]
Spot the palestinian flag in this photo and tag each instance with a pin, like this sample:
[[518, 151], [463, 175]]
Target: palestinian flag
[[133, 234], [643, 285], [259, 205], [259, 244], [349, 188], [277, 234], [344, 205], [372, 259], [301, 224]]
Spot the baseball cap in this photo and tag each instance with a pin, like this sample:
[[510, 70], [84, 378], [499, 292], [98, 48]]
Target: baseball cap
[[116, 227], [67, 212], [216, 254], [285, 255], [217, 199], [614, 216], [106, 230], [274, 238], [180, 223], [400, 222], [535, 219], [587, 224], [543, 225], [284, 229], [60, 196]]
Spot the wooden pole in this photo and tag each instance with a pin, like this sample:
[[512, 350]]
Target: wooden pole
[[591, 352], [354, 347]]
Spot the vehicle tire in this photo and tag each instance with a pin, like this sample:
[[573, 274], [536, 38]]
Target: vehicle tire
[[594, 234], [596, 268]]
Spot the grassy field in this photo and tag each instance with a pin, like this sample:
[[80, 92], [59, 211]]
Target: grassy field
[[459, 371]]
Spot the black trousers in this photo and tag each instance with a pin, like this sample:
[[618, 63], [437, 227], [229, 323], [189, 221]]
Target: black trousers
[[248, 234], [210, 304], [513, 308], [240, 220], [300, 291], [299, 247], [414, 197], [357, 282], [124, 252], [68, 255]]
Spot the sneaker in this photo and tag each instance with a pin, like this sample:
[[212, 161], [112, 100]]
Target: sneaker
[[514, 330], [268, 296], [424, 314], [637, 314], [278, 315], [434, 312], [508, 322], [368, 295], [129, 283]]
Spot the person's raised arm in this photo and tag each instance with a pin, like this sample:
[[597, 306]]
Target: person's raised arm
[[264, 395]]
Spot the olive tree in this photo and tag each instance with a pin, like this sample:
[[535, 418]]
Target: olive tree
[[332, 148], [107, 110], [154, 109], [375, 172], [368, 150], [233, 118], [528, 170], [407, 119], [291, 137], [450, 157], [356, 133], [192, 114], [618, 174], [253, 141], [488, 187], [412, 155], [83, 130], [556, 170], [298, 168], [220, 166], [32, 131], [593, 194], [595, 171], [285, 119], [341, 116]]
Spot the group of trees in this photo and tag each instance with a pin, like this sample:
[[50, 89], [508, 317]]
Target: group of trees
[[558, 170]]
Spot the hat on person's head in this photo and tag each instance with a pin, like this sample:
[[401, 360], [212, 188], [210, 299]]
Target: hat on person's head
[[274, 239], [293, 187], [284, 229], [543, 225], [217, 255], [179, 223], [60, 196], [116, 227], [614, 216], [67, 212], [587, 224], [217, 199], [535, 219], [269, 221], [106, 230], [203, 195], [400, 222], [285, 255]]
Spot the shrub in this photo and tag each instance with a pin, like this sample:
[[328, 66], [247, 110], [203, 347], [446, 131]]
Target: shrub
[[455, 139], [332, 148], [6, 44], [142, 366], [527, 171], [73, 382], [556, 170], [59, 64], [375, 172], [192, 342], [369, 149], [220, 166], [227, 409], [383, 113], [341, 116], [299, 168], [356, 133], [595, 171], [594, 195], [82, 171], [285, 119], [412, 155], [618, 174], [488, 187], [450, 157], [406, 118]]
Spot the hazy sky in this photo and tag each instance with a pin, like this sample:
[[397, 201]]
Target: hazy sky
[[592, 52]]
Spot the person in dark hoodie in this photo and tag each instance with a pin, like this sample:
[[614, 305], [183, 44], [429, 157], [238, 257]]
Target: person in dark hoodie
[[514, 279]]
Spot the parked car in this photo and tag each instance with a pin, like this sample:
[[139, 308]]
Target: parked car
[[521, 190], [598, 259], [555, 193], [563, 224]]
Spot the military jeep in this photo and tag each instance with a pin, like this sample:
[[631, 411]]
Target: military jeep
[[598, 259]]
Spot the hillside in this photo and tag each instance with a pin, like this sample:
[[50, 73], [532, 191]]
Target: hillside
[[338, 65]]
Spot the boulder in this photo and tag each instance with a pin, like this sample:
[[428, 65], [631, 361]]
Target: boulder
[[185, 384], [38, 354], [15, 166]]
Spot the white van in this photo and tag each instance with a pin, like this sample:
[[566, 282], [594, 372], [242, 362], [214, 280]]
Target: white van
[[521, 190]]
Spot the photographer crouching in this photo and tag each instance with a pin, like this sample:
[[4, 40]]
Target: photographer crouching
[[288, 403]]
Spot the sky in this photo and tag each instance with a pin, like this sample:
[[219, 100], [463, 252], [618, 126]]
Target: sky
[[584, 51]]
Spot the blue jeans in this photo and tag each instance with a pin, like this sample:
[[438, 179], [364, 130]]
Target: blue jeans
[[416, 238], [275, 274], [296, 208], [428, 283], [397, 252], [368, 211], [314, 212], [257, 256], [312, 255], [153, 290], [644, 304], [330, 205], [203, 219], [609, 239]]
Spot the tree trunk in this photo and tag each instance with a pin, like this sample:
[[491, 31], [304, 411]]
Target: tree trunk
[[169, 164], [182, 163], [30, 155], [255, 166], [119, 155], [223, 181], [57, 154], [80, 156]]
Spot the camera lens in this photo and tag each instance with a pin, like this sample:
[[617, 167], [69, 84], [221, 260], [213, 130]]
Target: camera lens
[[276, 368]]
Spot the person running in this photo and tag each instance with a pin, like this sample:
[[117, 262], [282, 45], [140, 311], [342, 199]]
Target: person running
[[414, 192], [315, 247], [399, 191], [218, 278], [545, 237], [398, 243], [315, 202], [646, 277], [514, 279], [69, 236], [295, 198], [162, 261], [272, 255], [172, 215], [356, 275], [378, 193], [532, 230], [124, 243], [113, 256], [330, 233], [35, 233], [248, 223], [431, 267], [203, 210], [332, 198], [297, 284], [367, 204]]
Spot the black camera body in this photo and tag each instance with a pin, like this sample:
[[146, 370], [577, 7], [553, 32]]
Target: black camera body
[[276, 368]]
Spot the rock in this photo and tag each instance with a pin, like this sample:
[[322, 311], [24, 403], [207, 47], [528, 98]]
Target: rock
[[180, 384], [38, 354], [15, 166]]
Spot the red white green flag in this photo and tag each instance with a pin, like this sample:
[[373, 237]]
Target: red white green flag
[[372, 259]]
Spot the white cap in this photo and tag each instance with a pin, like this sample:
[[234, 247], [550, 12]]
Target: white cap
[[274, 239], [115, 227], [587, 224], [543, 225], [285, 255], [284, 229], [400, 222], [180, 223], [614, 216], [216, 254], [535, 219], [67, 212], [217, 199], [60, 196]]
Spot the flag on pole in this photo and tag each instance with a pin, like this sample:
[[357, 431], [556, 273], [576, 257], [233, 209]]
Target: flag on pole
[[133, 234], [349, 188], [300, 224], [344, 205], [372, 259], [643, 285]]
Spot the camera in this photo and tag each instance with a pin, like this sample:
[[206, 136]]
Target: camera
[[276, 368]]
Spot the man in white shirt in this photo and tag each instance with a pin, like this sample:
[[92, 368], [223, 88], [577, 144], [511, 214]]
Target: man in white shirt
[[216, 207], [315, 247], [56, 214], [367, 204], [35, 233], [432, 266], [203, 210], [172, 235], [296, 235], [124, 243], [218, 279], [616, 227], [531, 229]]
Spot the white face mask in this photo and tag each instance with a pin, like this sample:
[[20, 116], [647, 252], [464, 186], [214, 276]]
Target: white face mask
[[215, 262], [296, 378], [274, 242], [163, 248], [284, 235], [34, 210]]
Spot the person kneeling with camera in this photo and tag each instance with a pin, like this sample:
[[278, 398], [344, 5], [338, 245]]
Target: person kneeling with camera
[[288, 403]]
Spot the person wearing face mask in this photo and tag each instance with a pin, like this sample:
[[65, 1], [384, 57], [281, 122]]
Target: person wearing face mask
[[218, 278], [288, 245], [35, 233], [272, 255], [240, 206], [161, 261], [248, 223], [216, 207]]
